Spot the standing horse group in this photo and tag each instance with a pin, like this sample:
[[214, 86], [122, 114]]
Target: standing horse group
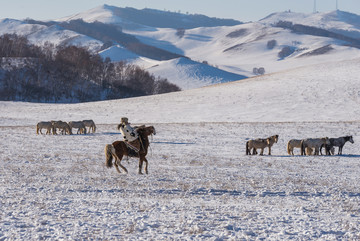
[[64, 127], [261, 144], [315, 145], [309, 146]]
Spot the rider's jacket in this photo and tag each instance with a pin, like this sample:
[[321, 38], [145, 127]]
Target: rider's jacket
[[128, 132]]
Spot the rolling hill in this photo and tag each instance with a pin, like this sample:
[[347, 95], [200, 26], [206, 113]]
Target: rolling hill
[[323, 92], [204, 52]]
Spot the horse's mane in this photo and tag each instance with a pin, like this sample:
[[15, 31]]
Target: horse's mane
[[144, 132]]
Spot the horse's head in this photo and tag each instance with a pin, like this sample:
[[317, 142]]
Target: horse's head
[[351, 139], [276, 138], [326, 140], [147, 130], [151, 130]]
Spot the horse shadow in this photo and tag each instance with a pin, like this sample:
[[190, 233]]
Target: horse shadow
[[343, 155], [174, 143]]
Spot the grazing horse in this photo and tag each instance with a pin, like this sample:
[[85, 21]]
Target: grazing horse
[[118, 149], [90, 124], [313, 143], [262, 144], [61, 125], [339, 142], [78, 124], [44, 125], [292, 144]]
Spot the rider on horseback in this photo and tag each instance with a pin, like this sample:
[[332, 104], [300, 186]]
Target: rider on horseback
[[130, 135]]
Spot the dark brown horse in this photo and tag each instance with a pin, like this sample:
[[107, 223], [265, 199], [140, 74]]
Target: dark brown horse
[[118, 149]]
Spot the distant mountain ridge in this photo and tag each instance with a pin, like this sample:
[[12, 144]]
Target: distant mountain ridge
[[136, 18]]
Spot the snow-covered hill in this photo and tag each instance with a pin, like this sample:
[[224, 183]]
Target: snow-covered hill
[[241, 48], [39, 34], [211, 54], [337, 21], [324, 92]]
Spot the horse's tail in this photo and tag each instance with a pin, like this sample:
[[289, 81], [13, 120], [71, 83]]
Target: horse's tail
[[302, 148], [94, 128], [247, 148], [37, 129], [288, 148], [108, 155]]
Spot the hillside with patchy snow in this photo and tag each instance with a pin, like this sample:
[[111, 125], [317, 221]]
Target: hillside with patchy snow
[[214, 55]]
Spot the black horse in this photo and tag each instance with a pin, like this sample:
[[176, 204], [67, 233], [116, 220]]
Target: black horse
[[339, 142]]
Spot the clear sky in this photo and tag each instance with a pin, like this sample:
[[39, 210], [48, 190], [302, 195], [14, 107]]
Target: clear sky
[[243, 10]]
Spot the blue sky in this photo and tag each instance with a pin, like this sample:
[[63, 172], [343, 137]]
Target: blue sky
[[243, 10]]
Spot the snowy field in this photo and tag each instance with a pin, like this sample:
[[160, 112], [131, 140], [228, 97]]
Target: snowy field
[[201, 185]]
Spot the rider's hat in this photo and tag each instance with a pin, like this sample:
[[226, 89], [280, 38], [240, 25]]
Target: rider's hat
[[124, 120]]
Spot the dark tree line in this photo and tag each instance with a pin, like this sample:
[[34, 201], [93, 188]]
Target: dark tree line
[[69, 74]]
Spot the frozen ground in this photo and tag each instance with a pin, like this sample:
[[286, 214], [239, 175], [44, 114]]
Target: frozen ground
[[200, 186]]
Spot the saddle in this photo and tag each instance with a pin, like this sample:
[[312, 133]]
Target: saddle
[[133, 146]]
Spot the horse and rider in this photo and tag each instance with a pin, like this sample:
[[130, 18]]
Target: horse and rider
[[130, 134], [135, 144]]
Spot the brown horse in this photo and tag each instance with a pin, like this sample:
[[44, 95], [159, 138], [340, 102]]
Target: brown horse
[[262, 144], [118, 149]]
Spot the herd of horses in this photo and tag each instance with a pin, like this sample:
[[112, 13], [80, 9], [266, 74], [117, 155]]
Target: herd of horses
[[309, 146], [115, 152], [66, 127]]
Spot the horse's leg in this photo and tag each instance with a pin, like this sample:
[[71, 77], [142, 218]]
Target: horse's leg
[[116, 166], [141, 160], [262, 152], [269, 150], [316, 151], [146, 165], [340, 149], [119, 163]]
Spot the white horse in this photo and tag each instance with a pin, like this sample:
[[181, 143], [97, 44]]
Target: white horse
[[292, 144], [313, 143], [44, 125], [78, 124], [90, 124]]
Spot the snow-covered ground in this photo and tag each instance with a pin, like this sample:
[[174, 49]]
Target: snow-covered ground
[[201, 185]]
